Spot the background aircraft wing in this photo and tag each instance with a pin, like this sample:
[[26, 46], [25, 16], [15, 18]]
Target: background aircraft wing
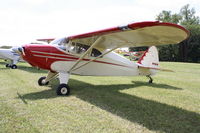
[[48, 40], [134, 34]]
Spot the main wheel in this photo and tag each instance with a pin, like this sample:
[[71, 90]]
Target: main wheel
[[63, 89], [14, 66], [41, 81]]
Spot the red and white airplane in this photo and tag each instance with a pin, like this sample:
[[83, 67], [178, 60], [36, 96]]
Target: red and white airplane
[[92, 53]]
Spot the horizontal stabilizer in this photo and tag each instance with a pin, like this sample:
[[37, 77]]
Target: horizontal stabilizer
[[159, 69]]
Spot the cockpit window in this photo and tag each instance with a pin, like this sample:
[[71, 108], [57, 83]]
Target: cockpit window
[[95, 52], [77, 48], [74, 48]]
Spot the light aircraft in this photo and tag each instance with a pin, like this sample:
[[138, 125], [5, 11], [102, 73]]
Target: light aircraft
[[10, 54], [14, 56], [92, 53]]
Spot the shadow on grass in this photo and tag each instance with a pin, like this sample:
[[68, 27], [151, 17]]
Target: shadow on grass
[[27, 69], [24, 67], [150, 114], [32, 69], [155, 85]]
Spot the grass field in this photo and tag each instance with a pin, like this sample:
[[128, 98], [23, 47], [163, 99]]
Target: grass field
[[101, 104]]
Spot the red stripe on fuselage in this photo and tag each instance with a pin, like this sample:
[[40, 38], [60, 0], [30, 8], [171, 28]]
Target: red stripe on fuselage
[[66, 57], [43, 56]]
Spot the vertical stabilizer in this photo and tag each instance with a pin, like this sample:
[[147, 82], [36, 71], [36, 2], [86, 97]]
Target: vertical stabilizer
[[149, 59], [148, 64]]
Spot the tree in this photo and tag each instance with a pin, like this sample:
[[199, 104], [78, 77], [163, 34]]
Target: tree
[[188, 16], [194, 43], [185, 50], [135, 49], [191, 22], [166, 16], [6, 47]]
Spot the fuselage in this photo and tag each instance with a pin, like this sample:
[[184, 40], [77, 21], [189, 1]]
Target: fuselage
[[8, 54], [57, 59]]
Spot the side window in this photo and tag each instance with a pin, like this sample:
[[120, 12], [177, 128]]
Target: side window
[[78, 48], [95, 52]]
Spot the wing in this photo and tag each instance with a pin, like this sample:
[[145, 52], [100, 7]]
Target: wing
[[134, 34], [48, 40]]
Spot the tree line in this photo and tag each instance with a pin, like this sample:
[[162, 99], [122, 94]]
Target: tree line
[[188, 50]]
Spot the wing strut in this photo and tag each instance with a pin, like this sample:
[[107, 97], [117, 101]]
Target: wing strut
[[94, 59], [90, 48]]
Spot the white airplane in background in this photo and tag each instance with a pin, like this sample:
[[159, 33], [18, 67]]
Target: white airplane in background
[[10, 54], [13, 56], [93, 53]]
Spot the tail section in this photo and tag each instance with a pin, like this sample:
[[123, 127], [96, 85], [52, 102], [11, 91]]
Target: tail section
[[149, 59], [148, 64]]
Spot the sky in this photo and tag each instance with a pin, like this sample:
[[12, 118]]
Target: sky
[[22, 21]]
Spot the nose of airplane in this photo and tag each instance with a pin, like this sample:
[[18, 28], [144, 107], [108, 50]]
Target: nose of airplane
[[19, 50]]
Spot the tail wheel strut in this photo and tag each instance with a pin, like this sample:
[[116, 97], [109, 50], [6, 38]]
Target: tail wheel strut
[[150, 79]]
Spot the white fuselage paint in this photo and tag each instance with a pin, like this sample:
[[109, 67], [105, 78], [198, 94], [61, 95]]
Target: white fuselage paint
[[111, 64], [8, 54]]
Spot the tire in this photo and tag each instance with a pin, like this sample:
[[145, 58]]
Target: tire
[[41, 81], [14, 66], [63, 90], [7, 65]]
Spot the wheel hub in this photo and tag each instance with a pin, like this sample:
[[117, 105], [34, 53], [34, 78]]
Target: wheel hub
[[64, 90], [43, 82]]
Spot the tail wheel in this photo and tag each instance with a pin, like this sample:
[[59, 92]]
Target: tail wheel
[[63, 89], [150, 79], [41, 81], [14, 66]]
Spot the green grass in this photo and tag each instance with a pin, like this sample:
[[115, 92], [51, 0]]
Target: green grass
[[101, 104]]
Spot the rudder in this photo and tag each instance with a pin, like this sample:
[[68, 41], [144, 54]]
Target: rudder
[[148, 64]]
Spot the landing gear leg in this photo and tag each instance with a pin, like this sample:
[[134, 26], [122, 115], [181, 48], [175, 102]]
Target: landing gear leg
[[63, 88], [150, 79]]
